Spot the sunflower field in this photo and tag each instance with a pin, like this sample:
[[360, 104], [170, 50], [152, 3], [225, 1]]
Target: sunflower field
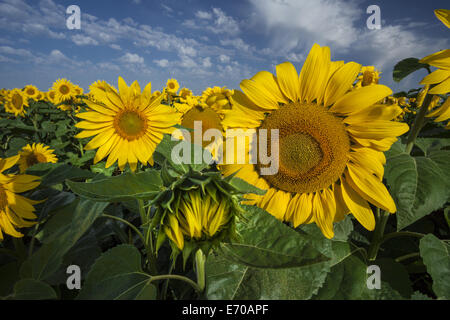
[[94, 204]]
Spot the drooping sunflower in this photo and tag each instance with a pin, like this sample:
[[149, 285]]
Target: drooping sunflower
[[16, 211], [16, 102], [35, 153], [127, 124], [64, 90], [368, 76], [31, 92], [198, 216], [172, 86], [331, 141]]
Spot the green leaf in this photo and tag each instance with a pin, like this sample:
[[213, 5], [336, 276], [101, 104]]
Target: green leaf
[[417, 184], [396, 275], [56, 173], [420, 296], [266, 242], [406, 67], [232, 275], [117, 275], [245, 187], [9, 275], [163, 153], [48, 259], [231, 281], [342, 229], [428, 145], [128, 186], [31, 289], [347, 280], [436, 256]]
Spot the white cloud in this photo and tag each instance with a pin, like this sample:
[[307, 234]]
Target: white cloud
[[203, 15], [115, 46], [238, 43], [224, 58], [291, 22], [163, 63], [216, 21], [207, 62], [132, 58], [81, 40]]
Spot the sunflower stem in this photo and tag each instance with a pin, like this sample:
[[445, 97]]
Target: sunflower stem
[[381, 220], [407, 256], [148, 242], [401, 234], [127, 223], [177, 277], [200, 260], [418, 124]]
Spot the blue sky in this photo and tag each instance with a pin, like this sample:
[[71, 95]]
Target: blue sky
[[205, 43]]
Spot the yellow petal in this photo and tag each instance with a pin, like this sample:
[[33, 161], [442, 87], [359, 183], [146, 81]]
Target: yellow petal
[[340, 82], [442, 88], [375, 112], [440, 59], [259, 94], [124, 91], [313, 69], [436, 77], [341, 208], [358, 206], [369, 187], [270, 83], [377, 129], [100, 139], [94, 116], [444, 16], [277, 204], [7, 163], [360, 99], [288, 80], [322, 206]]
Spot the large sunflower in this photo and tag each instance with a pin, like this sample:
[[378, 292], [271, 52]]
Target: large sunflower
[[127, 125], [33, 154], [331, 141], [15, 210]]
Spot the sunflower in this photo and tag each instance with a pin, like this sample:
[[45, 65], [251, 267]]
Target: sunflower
[[64, 90], [31, 92], [331, 141], [198, 216], [51, 96], [185, 93], [127, 125], [172, 86], [15, 210], [209, 110], [16, 102], [33, 154], [369, 76]]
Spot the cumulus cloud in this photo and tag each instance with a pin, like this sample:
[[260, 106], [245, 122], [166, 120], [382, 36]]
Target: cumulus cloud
[[203, 15], [132, 58], [224, 58], [215, 21], [163, 63], [81, 40]]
